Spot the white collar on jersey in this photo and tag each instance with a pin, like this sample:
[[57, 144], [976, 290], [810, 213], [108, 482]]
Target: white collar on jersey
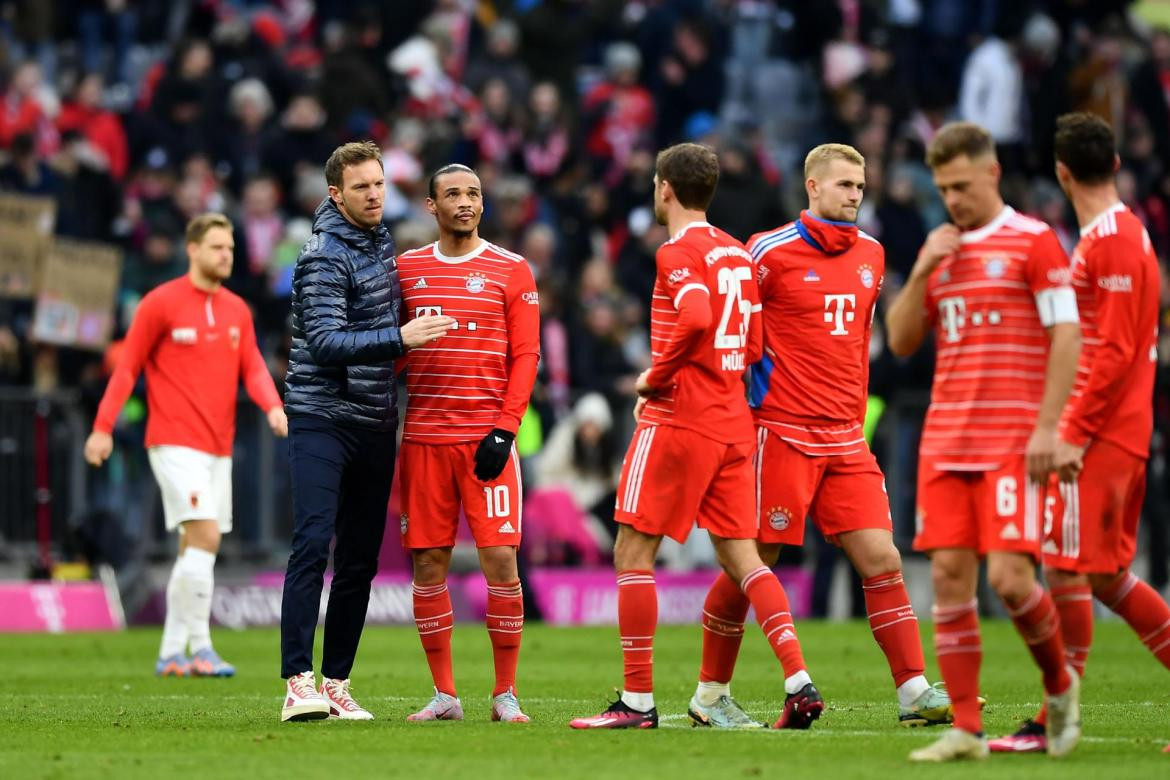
[[1095, 221], [979, 234], [688, 226], [442, 258]]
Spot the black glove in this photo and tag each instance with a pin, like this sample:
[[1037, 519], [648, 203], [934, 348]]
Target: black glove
[[492, 454]]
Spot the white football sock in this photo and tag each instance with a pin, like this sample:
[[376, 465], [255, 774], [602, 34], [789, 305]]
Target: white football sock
[[642, 702], [912, 689], [797, 681], [174, 638], [197, 569], [709, 692]]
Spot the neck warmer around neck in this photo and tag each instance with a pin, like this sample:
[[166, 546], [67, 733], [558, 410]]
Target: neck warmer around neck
[[829, 236]]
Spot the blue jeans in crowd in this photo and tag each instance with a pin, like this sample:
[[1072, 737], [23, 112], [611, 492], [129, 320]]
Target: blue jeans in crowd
[[340, 487]]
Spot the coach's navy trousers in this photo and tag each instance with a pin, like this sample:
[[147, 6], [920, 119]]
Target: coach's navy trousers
[[340, 486]]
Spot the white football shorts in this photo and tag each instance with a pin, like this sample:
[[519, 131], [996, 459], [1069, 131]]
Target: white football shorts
[[195, 485]]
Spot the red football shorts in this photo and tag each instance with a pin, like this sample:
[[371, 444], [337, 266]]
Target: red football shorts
[[673, 477], [996, 510], [1090, 525], [437, 478], [840, 492]]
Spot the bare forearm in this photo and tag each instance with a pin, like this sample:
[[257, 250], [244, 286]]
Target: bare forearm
[[1063, 354], [906, 322]]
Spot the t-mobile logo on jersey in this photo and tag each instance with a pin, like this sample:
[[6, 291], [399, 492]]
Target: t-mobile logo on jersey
[[952, 315], [839, 310], [437, 311]]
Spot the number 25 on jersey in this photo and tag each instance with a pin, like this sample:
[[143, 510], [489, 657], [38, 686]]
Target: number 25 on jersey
[[731, 288]]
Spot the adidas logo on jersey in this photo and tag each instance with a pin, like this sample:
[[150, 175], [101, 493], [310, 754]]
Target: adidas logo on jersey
[[1050, 548], [812, 276], [1010, 532], [421, 284], [506, 528]]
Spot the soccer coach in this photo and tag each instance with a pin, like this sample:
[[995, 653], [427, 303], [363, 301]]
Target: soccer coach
[[343, 416]]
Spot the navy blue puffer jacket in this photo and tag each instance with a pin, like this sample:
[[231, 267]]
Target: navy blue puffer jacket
[[345, 305]]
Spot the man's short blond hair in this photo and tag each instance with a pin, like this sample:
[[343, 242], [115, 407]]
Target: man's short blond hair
[[197, 228], [826, 153]]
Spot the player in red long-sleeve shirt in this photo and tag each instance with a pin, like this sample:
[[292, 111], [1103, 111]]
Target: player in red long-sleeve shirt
[[1090, 523], [690, 460], [465, 397], [195, 342]]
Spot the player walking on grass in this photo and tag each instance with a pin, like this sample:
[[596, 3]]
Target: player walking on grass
[[466, 396], [195, 341], [690, 457], [819, 279], [1091, 522], [994, 287]]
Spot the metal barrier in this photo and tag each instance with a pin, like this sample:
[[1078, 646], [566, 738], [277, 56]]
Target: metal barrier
[[42, 473], [51, 502]]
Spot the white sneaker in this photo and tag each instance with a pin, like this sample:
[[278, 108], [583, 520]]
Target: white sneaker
[[506, 708], [341, 704], [1064, 718], [953, 745], [302, 701]]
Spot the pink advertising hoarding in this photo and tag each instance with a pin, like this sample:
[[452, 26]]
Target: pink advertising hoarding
[[57, 607]]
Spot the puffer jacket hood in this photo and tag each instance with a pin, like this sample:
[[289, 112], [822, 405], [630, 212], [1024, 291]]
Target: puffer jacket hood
[[346, 304]]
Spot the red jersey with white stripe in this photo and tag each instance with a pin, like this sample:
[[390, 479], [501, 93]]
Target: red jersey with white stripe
[[988, 304], [702, 389], [819, 282], [194, 347], [479, 375], [1115, 275]]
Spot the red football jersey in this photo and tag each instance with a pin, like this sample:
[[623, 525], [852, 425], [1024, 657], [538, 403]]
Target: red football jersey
[[479, 375], [195, 347], [819, 282], [702, 389], [990, 304], [1115, 275]]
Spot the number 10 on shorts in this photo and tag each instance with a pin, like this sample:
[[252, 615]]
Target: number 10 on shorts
[[498, 501]]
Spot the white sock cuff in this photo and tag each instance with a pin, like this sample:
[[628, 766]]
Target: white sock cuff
[[912, 689], [197, 563], [797, 681]]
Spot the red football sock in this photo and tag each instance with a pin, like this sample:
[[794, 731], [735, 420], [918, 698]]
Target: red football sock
[[768, 598], [1074, 604], [505, 624], [1038, 623], [723, 615], [434, 619], [894, 625], [960, 653], [637, 619], [1145, 611]]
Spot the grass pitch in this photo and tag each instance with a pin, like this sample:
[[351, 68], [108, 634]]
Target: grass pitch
[[81, 706]]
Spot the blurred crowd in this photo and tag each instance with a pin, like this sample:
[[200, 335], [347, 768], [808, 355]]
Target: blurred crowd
[[137, 114]]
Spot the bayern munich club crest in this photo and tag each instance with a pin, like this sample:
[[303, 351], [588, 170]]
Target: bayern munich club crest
[[779, 518], [404, 523], [866, 274], [476, 282], [995, 266]]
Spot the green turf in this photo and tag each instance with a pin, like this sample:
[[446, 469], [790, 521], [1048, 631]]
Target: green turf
[[87, 706]]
